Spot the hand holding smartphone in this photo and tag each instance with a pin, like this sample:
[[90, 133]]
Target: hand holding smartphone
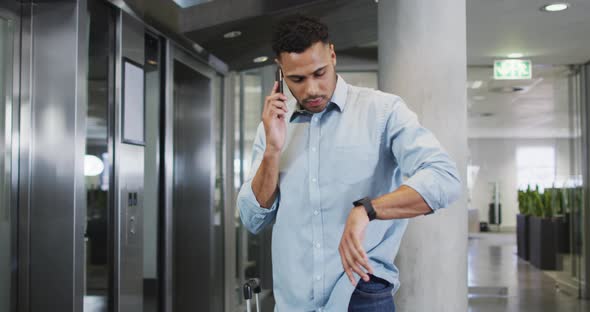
[[273, 116]]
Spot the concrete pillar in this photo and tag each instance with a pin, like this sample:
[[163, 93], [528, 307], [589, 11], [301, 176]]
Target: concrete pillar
[[422, 58]]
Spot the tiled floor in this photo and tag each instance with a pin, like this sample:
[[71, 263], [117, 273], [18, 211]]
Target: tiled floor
[[500, 281]]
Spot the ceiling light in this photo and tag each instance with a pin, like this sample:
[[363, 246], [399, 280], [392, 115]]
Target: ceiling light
[[555, 7], [476, 84], [515, 55], [232, 34], [198, 48], [93, 166], [479, 97], [261, 59]]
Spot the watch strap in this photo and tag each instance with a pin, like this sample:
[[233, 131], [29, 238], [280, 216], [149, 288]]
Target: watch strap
[[366, 202]]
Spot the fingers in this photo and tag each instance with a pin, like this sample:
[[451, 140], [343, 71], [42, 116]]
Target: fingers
[[275, 104], [275, 112], [279, 105], [275, 97], [345, 265], [354, 259], [360, 260], [357, 261]]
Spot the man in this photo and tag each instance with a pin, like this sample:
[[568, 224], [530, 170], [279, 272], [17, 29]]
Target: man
[[333, 145]]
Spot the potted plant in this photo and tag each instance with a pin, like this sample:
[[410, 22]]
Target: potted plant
[[542, 243], [522, 224]]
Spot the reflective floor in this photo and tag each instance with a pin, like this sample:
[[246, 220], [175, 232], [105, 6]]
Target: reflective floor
[[500, 281]]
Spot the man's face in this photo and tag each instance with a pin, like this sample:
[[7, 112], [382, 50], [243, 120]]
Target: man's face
[[311, 75]]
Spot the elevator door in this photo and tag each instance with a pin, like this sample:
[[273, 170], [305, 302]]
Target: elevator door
[[196, 226]]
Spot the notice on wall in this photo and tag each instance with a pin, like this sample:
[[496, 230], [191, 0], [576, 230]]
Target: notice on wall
[[133, 103]]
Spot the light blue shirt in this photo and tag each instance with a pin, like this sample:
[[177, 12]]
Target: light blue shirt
[[365, 143]]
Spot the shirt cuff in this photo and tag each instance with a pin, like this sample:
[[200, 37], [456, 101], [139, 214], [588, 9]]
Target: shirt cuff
[[428, 187], [254, 216]]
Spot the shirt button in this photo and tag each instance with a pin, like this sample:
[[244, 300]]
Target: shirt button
[[317, 245], [315, 119], [317, 278], [313, 179], [315, 212], [313, 149]]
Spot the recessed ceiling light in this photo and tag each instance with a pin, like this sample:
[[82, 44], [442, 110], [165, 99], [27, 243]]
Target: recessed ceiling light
[[232, 34], [515, 55], [555, 7], [479, 97], [198, 48], [476, 84], [261, 59]]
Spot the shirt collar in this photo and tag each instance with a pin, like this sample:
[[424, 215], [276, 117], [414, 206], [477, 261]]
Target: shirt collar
[[338, 99]]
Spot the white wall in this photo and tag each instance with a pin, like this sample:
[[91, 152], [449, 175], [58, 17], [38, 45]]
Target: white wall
[[497, 161]]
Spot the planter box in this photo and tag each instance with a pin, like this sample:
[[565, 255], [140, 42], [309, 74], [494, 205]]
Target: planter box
[[542, 243], [562, 233], [522, 236]]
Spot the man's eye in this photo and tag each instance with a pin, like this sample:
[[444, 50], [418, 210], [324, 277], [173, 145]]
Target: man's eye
[[319, 74], [297, 80]]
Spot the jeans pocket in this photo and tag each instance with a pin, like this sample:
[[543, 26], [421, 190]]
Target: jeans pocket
[[375, 288]]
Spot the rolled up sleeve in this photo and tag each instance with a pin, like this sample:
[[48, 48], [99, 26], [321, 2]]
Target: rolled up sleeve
[[421, 158], [253, 216]]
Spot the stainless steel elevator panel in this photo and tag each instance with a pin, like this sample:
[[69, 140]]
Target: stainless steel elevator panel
[[9, 77], [130, 193], [193, 175], [52, 147], [129, 173]]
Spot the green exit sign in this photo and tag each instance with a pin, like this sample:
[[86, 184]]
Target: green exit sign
[[512, 69]]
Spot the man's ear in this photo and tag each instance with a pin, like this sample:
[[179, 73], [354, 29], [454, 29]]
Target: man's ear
[[332, 54]]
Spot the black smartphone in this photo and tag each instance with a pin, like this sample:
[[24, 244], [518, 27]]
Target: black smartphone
[[279, 78]]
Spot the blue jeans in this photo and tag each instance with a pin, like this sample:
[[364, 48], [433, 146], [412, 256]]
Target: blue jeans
[[372, 296]]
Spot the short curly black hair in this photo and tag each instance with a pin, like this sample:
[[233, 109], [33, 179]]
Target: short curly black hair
[[297, 32]]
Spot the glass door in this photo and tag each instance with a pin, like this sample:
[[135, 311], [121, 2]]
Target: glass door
[[98, 159]]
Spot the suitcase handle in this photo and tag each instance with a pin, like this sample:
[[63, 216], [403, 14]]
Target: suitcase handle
[[252, 284]]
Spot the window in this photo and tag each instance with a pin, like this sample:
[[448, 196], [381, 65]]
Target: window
[[535, 166]]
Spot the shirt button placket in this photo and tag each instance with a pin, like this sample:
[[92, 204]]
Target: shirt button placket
[[315, 202]]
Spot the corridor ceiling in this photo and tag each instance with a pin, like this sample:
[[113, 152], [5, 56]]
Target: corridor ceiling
[[494, 28]]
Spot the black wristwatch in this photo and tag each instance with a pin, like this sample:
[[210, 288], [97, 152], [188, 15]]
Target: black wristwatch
[[366, 202]]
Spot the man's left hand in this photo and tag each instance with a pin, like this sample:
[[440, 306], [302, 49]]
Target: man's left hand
[[352, 254]]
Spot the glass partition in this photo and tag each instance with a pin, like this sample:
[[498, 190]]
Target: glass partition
[[528, 136], [98, 159], [248, 116]]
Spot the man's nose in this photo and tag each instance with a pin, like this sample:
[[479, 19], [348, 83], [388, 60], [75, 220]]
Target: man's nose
[[313, 88]]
